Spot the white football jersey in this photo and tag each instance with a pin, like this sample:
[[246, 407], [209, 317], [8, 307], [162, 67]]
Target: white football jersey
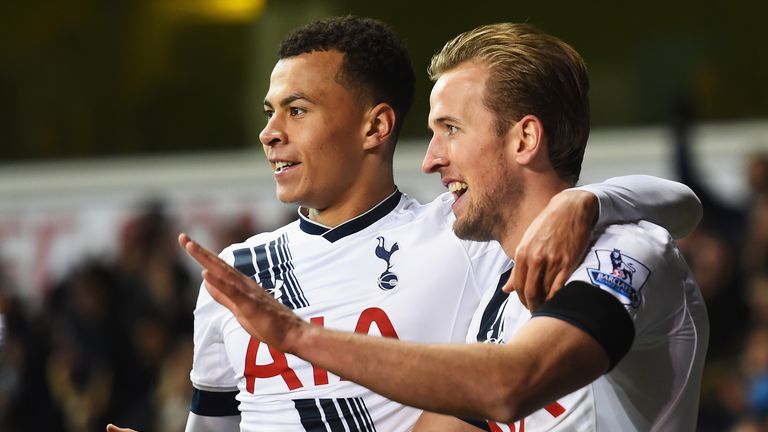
[[397, 270], [656, 385]]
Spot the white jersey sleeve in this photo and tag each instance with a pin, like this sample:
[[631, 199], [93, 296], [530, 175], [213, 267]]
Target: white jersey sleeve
[[640, 266], [211, 369], [629, 262], [666, 203]]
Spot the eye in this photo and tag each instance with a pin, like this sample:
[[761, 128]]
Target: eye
[[268, 113], [452, 130], [297, 111]]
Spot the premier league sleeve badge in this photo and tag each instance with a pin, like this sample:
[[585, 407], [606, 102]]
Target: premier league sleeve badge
[[621, 274]]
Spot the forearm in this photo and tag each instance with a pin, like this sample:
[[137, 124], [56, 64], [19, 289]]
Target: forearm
[[498, 382], [440, 378], [666, 203]]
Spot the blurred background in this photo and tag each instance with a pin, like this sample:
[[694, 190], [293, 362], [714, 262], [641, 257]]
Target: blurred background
[[123, 123]]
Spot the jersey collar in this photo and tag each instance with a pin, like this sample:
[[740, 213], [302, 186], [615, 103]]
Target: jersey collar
[[353, 225]]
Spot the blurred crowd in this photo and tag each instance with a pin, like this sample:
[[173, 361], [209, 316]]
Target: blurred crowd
[[728, 254], [113, 340]]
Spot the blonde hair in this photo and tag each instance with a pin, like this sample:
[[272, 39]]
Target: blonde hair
[[531, 73]]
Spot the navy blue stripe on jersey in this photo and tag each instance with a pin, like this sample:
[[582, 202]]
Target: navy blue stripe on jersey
[[273, 270], [491, 324], [354, 225], [296, 294], [265, 276], [332, 418], [363, 413], [595, 311], [244, 262], [214, 404], [310, 415], [346, 412], [323, 415]]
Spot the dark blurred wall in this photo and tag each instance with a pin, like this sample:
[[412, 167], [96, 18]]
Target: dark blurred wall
[[90, 78]]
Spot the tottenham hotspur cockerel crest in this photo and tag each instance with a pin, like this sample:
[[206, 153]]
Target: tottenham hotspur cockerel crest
[[388, 279]]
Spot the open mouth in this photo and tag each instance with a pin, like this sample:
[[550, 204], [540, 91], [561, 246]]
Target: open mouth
[[457, 189], [283, 165]]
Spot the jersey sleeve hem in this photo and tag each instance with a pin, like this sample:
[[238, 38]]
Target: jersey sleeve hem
[[214, 403]]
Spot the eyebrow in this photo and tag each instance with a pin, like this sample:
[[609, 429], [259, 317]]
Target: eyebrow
[[443, 120], [290, 99]]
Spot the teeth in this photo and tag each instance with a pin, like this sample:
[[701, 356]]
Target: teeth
[[282, 164], [457, 186]]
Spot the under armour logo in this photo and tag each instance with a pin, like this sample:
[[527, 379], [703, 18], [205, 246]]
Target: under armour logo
[[277, 291], [387, 280]]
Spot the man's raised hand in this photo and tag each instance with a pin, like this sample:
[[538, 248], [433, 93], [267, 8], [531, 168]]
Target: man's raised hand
[[258, 312]]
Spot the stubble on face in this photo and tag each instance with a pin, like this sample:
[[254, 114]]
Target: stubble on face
[[491, 211]]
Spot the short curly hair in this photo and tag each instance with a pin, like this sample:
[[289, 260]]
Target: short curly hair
[[376, 62]]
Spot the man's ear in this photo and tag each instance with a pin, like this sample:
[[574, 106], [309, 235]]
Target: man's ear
[[528, 139], [379, 125]]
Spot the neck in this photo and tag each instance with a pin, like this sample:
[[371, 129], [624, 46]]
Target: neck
[[540, 188], [360, 198]]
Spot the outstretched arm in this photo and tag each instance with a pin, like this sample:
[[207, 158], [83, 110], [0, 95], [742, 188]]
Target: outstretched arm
[[546, 359], [556, 241]]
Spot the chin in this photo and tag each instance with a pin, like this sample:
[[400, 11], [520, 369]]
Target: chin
[[287, 198], [467, 230]]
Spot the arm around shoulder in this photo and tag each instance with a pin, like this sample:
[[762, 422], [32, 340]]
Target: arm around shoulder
[[666, 203]]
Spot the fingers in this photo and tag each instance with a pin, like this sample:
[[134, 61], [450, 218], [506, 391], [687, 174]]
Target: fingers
[[533, 280], [225, 284], [113, 428], [517, 278], [227, 276], [183, 239], [202, 255], [225, 295], [508, 287], [553, 267], [558, 283], [541, 281]]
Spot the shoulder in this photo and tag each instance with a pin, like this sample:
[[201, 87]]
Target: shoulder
[[430, 219], [256, 240], [231, 254], [439, 207], [642, 238], [437, 218], [625, 257]]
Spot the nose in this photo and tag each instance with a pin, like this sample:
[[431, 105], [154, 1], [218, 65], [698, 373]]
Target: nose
[[435, 157], [273, 133]]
